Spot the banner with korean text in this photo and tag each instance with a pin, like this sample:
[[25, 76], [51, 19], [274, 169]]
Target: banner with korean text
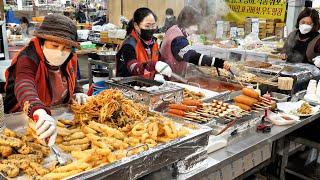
[[268, 9]]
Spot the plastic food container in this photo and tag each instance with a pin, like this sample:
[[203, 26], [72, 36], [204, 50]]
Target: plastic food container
[[278, 97]]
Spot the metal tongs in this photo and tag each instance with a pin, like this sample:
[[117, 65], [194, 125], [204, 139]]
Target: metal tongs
[[235, 77], [63, 158], [179, 78]]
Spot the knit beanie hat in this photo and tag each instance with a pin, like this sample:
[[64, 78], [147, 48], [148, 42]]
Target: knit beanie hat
[[58, 28]]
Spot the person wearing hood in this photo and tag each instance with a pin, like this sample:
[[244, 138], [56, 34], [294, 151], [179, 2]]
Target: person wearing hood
[[176, 50], [169, 21], [302, 45], [43, 74], [139, 52]]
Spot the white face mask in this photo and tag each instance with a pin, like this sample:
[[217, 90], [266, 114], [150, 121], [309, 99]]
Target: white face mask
[[305, 28], [192, 29], [55, 57]]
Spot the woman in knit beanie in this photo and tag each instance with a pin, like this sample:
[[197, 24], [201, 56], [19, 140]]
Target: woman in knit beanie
[[43, 74]]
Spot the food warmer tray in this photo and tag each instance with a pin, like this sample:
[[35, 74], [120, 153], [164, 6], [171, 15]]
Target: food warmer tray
[[155, 99], [302, 74], [204, 73], [135, 166], [217, 123]]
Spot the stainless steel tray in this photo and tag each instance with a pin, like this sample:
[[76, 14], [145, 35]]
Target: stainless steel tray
[[134, 166]]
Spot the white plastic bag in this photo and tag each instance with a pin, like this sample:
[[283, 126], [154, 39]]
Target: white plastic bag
[[281, 119]]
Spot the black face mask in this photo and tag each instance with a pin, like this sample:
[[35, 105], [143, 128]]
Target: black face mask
[[147, 34]]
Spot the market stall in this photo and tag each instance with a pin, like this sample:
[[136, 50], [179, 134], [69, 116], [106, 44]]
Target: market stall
[[223, 106]]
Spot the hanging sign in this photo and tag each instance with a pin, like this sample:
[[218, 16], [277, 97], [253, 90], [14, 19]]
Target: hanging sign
[[268, 9]]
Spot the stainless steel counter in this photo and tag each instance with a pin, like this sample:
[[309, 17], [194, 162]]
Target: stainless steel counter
[[241, 146]]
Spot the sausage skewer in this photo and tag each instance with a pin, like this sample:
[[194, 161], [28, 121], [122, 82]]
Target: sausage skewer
[[185, 118]]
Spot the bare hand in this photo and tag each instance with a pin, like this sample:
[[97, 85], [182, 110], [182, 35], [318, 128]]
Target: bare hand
[[226, 66], [283, 56]]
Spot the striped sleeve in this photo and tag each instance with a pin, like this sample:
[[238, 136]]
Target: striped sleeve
[[25, 86], [182, 51]]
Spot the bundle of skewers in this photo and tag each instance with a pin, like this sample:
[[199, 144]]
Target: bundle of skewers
[[197, 111], [250, 100]]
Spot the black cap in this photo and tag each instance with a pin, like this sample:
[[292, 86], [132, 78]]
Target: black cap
[[308, 3]]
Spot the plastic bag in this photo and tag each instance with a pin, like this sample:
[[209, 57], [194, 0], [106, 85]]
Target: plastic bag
[[251, 41], [281, 119]]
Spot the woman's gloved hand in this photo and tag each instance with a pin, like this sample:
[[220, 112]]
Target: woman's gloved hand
[[46, 128], [163, 68], [81, 98], [159, 78], [316, 61]]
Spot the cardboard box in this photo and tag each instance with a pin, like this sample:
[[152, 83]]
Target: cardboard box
[[269, 35], [270, 23], [269, 31], [262, 31], [270, 26], [278, 25]]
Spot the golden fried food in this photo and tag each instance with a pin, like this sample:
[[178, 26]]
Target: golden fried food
[[29, 157], [39, 169], [132, 141], [110, 132], [59, 139], [88, 130], [170, 130], [138, 129], [110, 106], [97, 141], [163, 139], [78, 147], [115, 143], [153, 130], [84, 140], [10, 141], [106, 129], [60, 124], [111, 157], [25, 149], [103, 152], [5, 151], [44, 149], [66, 122], [305, 109], [72, 166], [82, 155], [10, 170], [63, 131], [9, 133], [22, 164], [183, 132], [61, 175], [187, 94], [31, 172], [76, 135]]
